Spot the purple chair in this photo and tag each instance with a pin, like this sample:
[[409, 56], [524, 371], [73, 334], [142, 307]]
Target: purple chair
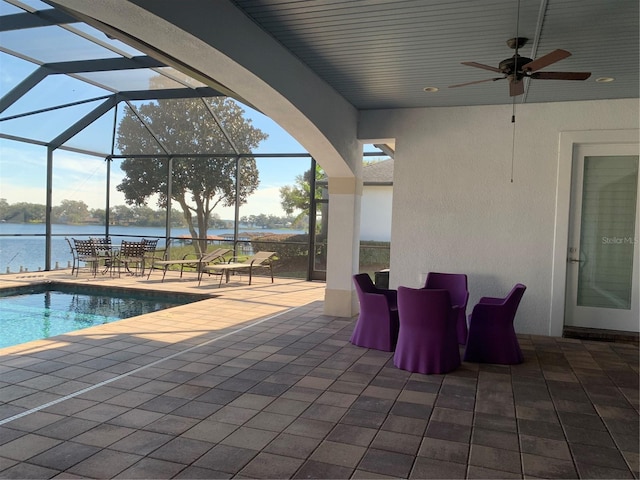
[[456, 284], [492, 338], [377, 325], [427, 341]]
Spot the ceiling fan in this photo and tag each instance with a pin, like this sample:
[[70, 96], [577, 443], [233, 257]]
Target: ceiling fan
[[515, 69]]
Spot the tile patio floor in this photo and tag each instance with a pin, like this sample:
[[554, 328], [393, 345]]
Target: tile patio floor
[[258, 383]]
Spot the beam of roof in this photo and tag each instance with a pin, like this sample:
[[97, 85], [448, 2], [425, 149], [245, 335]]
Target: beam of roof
[[170, 93], [56, 107], [113, 100], [41, 18], [133, 95], [23, 87], [80, 66], [386, 149], [148, 127], [104, 64], [31, 141], [149, 49], [78, 126]]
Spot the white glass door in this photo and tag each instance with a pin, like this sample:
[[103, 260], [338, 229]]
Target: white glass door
[[602, 256]]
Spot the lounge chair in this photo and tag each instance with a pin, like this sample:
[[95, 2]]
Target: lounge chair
[[198, 263], [258, 260]]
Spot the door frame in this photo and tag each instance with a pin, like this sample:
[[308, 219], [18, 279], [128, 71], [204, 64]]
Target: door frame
[[566, 147]]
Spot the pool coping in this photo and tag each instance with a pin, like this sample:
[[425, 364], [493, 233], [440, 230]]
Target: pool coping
[[143, 292]]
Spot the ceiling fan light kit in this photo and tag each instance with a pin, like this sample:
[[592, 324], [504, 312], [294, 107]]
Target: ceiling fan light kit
[[516, 68]]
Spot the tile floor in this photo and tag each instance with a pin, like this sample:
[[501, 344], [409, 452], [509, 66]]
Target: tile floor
[[258, 383]]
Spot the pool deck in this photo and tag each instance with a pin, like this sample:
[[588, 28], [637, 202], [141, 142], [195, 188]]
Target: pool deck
[[258, 383]]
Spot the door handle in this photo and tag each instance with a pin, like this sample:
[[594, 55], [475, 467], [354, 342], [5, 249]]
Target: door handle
[[573, 260]]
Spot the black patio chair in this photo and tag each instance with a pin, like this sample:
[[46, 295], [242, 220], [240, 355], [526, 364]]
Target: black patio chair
[[86, 252]]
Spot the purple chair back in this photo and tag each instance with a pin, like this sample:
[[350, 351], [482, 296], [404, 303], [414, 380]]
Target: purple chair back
[[456, 284], [492, 338], [427, 341], [377, 324]]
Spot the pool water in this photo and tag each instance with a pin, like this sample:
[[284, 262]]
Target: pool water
[[42, 311]]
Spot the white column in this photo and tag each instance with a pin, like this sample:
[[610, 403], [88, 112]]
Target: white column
[[343, 245]]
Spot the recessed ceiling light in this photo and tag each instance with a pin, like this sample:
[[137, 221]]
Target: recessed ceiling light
[[430, 89], [605, 79]]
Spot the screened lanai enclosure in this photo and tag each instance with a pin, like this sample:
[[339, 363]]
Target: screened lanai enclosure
[[98, 139]]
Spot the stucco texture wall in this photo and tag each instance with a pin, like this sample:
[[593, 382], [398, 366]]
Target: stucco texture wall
[[375, 215], [455, 208]]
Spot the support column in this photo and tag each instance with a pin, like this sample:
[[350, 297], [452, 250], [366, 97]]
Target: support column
[[343, 246]]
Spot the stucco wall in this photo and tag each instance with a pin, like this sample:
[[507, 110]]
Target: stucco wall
[[375, 214], [455, 208]]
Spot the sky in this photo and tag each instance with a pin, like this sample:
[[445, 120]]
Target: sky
[[83, 177]]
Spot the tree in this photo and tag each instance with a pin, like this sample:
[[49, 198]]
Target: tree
[[120, 215], [99, 215], [4, 209], [296, 197], [70, 211], [215, 221], [199, 185], [23, 212]]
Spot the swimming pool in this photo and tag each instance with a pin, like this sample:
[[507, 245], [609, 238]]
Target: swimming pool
[[41, 311]]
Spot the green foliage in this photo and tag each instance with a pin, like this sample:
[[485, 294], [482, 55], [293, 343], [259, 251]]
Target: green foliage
[[297, 197], [77, 212], [70, 211], [22, 212], [142, 216], [374, 253], [266, 221], [292, 247], [4, 208], [286, 245], [127, 216]]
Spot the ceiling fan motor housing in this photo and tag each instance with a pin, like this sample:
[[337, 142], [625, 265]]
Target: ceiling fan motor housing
[[513, 65]]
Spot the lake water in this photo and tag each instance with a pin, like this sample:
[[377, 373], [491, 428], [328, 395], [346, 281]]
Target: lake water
[[28, 251]]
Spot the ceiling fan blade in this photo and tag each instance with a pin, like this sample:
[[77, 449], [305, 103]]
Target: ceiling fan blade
[[545, 60], [483, 66], [516, 87], [477, 81], [561, 75]]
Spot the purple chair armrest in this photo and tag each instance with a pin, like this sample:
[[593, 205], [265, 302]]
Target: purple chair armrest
[[487, 307], [392, 297], [377, 301], [491, 301]]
